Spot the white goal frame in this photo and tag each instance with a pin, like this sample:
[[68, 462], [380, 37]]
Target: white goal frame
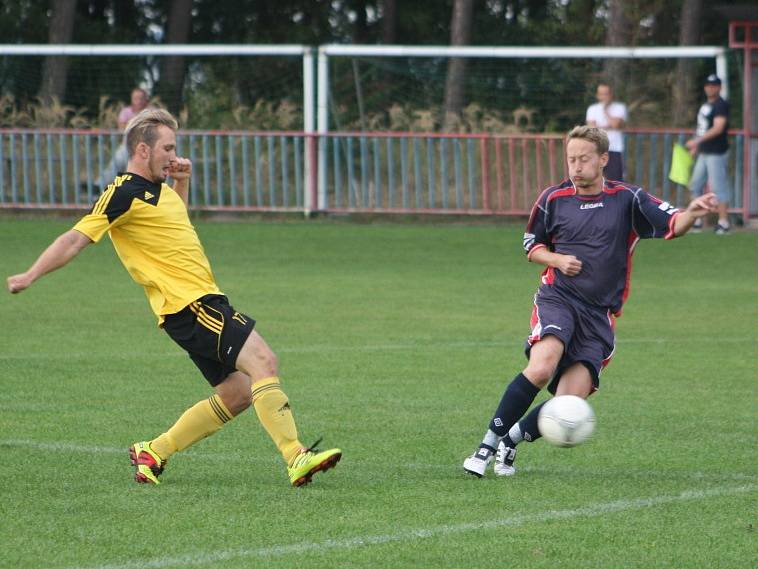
[[316, 93], [292, 50], [325, 51]]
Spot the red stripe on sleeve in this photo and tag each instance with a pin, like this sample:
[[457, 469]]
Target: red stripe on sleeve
[[533, 249], [672, 221]]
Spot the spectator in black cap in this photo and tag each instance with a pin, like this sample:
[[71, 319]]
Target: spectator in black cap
[[711, 146]]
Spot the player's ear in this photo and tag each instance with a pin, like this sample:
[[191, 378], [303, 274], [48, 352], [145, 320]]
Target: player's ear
[[604, 159], [142, 150]]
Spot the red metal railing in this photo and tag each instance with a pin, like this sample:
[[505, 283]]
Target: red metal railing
[[383, 172]]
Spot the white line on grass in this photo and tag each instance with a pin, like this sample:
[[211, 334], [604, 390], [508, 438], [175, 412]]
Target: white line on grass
[[366, 348], [61, 446], [451, 467], [85, 448], [593, 510]]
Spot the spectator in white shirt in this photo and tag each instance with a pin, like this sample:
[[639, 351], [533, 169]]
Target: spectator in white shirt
[[611, 116]]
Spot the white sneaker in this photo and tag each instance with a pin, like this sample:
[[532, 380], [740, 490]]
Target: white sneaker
[[504, 460], [478, 462]]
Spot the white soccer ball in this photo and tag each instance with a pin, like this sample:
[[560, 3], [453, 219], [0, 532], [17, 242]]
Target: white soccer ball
[[566, 421]]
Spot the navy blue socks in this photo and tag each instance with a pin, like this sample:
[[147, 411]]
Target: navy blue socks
[[528, 425], [517, 398]]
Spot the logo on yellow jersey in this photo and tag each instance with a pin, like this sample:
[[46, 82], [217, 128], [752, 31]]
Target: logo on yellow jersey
[[148, 196]]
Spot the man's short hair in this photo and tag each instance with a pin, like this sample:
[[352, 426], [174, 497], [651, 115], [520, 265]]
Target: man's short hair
[[143, 127], [604, 83], [596, 136]]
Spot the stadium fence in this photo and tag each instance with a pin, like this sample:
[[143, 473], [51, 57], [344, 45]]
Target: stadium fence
[[382, 172], [321, 167]]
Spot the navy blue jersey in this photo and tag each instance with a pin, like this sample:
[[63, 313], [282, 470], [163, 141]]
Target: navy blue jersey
[[601, 231]]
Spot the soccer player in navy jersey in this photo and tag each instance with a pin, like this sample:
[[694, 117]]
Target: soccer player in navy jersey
[[584, 231]]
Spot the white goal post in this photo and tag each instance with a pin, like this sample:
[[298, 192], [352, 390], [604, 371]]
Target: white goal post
[[325, 51], [251, 50], [316, 88]]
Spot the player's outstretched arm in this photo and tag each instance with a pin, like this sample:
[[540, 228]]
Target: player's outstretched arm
[[181, 171], [697, 208], [60, 252]]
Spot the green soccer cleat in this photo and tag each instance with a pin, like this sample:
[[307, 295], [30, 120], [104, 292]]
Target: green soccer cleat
[[310, 461], [148, 465]]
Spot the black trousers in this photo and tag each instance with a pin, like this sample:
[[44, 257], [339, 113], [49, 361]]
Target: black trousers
[[614, 170]]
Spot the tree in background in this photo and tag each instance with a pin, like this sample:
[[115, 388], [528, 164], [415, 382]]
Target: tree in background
[[389, 21], [173, 68], [460, 35], [252, 92], [684, 83], [618, 34], [55, 68], [22, 22], [94, 83]]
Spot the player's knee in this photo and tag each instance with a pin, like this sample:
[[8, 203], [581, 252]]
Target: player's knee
[[238, 401], [245, 400], [539, 374], [257, 360], [270, 363]]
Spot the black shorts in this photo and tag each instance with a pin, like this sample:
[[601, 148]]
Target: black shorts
[[213, 334], [587, 332]]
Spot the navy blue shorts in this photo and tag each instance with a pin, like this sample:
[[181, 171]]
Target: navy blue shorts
[[587, 331]]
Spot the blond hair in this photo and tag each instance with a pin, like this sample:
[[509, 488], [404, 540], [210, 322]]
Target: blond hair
[[596, 136], [143, 127]]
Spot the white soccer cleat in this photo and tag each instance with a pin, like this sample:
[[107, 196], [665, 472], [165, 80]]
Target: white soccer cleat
[[504, 460], [478, 462]]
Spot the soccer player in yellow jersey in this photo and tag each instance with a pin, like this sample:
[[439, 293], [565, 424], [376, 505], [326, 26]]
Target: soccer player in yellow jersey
[[148, 223]]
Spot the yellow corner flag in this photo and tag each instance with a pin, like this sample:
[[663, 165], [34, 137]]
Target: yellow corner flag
[[681, 165]]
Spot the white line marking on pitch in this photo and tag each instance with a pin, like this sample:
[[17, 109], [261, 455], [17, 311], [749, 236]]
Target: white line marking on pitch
[[367, 348], [451, 467], [593, 510], [84, 448]]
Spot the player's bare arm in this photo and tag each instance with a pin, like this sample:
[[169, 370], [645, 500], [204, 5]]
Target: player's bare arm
[[58, 254], [719, 124], [569, 265], [700, 206], [181, 171]]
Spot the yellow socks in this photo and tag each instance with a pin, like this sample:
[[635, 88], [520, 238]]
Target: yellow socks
[[199, 421], [274, 413], [209, 415]]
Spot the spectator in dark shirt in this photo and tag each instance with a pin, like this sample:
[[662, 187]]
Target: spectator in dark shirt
[[711, 146]]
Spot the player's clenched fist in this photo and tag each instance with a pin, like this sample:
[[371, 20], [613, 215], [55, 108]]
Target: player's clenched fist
[[569, 265], [17, 283], [180, 168]]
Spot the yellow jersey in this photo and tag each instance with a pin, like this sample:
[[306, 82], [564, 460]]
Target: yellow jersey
[[153, 237]]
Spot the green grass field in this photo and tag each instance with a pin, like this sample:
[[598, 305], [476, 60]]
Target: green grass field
[[395, 343]]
